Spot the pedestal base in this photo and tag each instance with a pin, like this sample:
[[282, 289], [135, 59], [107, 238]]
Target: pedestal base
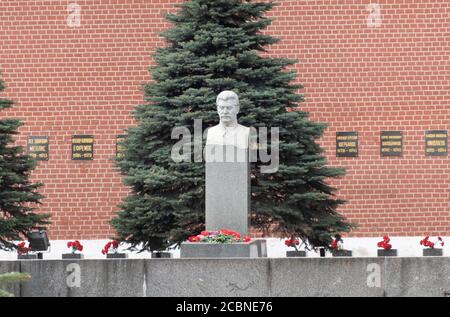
[[27, 257], [72, 256], [392, 252], [117, 256], [341, 252], [293, 254], [432, 252], [252, 249]]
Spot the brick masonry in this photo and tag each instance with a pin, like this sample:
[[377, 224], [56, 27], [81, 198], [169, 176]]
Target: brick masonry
[[362, 72]]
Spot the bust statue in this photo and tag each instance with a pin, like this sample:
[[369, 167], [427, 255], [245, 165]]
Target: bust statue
[[228, 132]]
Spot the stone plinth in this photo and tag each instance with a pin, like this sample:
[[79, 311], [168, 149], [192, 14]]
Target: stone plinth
[[227, 190], [116, 256], [391, 252], [432, 252], [72, 256], [250, 249]]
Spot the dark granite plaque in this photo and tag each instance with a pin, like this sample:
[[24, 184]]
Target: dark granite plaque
[[346, 144], [82, 147], [38, 147], [436, 143], [391, 143]]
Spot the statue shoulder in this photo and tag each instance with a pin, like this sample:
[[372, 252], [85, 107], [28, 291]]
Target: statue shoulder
[[213, 130], [243, 129]]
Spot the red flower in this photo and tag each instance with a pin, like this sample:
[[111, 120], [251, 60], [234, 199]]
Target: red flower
[[385, 243], [114, 244], [334, 244], [246, 239], [204, 233], [227, 232], [21, 249], [75, 245], [194, 239], [427, 243]]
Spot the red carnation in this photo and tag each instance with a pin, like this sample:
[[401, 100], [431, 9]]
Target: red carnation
[[385, 243], [429, 244], [334, 244], [21, 249], [194, 239], [114, 244]]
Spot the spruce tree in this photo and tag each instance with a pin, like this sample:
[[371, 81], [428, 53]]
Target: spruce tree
[[216, 45], [18, 196], [9, 278]]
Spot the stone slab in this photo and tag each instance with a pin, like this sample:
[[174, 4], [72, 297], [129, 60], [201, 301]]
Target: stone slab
[[208, 277], [324, 277], [220, 250], [72, 256], [58, 278], [391, 252], [227, 195]]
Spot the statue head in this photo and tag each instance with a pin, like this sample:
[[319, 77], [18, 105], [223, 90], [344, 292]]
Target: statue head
[[228, 107]]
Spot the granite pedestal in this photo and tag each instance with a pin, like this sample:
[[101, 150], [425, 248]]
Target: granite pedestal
[[227, 194], [252, 249]]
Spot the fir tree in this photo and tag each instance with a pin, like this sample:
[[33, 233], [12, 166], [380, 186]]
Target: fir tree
[[14, 277], [17, 194], [216, 45]]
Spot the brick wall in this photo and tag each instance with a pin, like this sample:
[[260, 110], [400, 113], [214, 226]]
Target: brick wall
[[361, 73]]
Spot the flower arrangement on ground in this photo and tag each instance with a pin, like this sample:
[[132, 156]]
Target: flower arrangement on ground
[[384, 244], [111, 250], [294, 243], [337, 247], [75, 246], [219, 236], [22, 249], [112, 246], [386, 247], [429, 246]]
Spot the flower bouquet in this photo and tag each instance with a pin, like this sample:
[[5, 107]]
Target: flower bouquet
[[337, 247], [111, 250], [23, 252], [74, 246], [294, 243], [386, 247], [219, 236], [219, 244], [430, 249]]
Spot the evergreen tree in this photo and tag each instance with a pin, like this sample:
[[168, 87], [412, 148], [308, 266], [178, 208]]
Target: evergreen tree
[[14, 277], [215, 45], [17, 194]]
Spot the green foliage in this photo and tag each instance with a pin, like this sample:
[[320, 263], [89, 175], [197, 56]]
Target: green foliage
[[13, 277], [17, 194], [216, 45]]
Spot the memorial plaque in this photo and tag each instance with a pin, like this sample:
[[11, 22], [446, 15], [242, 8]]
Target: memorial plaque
[[120, 149], [391, 143], [346, 144], [436, 143], [82, 147], [38, 147]]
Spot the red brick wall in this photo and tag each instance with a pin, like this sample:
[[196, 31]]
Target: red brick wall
[[87, 80]]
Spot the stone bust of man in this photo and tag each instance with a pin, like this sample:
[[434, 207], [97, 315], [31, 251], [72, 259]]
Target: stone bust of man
[[228, 132]]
